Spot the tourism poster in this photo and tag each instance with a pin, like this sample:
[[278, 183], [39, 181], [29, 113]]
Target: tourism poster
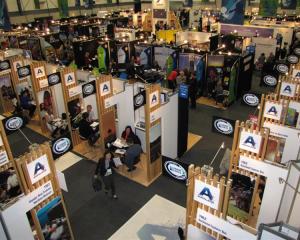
[[232, 11], [289, 4], [4, 17], [268, 8]]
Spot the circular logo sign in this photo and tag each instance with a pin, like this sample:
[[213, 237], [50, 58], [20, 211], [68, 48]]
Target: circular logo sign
[[293, 59], [270, 80], [175, 170], [4, 65], [251, 99], [14, 123], [223, 126], [88, 89], [282, 68], [61, 146], [23, 71], [53, 79], [139, 100], [297, 51]]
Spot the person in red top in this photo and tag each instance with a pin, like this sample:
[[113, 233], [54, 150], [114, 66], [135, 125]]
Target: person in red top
[[172, 79]]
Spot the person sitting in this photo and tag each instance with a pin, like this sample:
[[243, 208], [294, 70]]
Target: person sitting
[[89, 110], [48, 117], [26, 103], [111, 137], [132, 155], [128, 135], [62, 128], [86, 131]]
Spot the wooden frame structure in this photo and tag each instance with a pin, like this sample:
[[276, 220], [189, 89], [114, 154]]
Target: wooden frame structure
[[22, 162], [193, 205]]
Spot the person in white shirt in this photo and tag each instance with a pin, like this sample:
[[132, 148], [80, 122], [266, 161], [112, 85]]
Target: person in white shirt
[[91, 113]]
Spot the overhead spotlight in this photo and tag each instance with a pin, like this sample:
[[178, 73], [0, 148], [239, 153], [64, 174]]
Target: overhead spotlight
[[223, 45]]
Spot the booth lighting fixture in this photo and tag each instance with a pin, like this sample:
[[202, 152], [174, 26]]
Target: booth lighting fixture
[[185, 41], [36, 29], [229, 53], [123, 40], [235, 31], [26, 28], [145, 41], [106, 39], [220, 52], [286, 73], [141, 37], [223, 45], [161, 40]]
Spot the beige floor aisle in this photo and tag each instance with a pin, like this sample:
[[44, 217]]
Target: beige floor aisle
[[158, 219]]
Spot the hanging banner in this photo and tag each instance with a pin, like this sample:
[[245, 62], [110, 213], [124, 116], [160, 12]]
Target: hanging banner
[[12, 124], [38, 169], [224, 126], [143, 54], [4, 16], [289, 4], [102, 55], [63, 8], [24, 72], [61, 145], [139, 100], [4, 65], [232, 11], [268, 8], [207, 194], [175, 169], [54, 79], [88, 89], [250, 142], [288, 89]]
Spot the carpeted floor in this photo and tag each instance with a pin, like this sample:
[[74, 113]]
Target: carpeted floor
[[95, 216]]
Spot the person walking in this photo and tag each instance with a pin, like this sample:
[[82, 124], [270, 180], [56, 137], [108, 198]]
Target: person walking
[[192, 82], [105, 169]]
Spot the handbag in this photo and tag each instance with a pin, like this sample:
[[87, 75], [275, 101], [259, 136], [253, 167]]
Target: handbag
[[96, 183]]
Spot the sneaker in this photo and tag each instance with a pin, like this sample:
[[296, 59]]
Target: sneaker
[[115, 196]]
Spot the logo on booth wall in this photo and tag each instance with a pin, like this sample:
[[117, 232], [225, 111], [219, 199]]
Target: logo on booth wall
[[39, 169], [39, 72], [14, 123], [69, 78], [154, 100], [88, 89], [223, 126], [207, 194], [53, 79], [61, 146], [175, 170], [297, 51], [139, 99], [105, 88], [287, 89], [282, 68], [24, 71], [293, 59], [249, 142], [272, 111], [251, 99], [297, 75], [270, 80], [4, 65]]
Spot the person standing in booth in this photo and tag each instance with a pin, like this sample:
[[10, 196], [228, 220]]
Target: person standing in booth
[[172, 80], [192, 82], [26, 103], [89, 110], [132, 155], [105, 169]]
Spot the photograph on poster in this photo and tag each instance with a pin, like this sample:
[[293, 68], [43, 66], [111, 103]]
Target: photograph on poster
[[7, 90], [275, 149], [9, 186], [53, 221], [241, 195]]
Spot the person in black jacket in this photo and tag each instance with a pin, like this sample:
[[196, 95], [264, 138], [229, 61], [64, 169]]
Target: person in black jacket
[[86, 131], [105, 168], [128, 135]]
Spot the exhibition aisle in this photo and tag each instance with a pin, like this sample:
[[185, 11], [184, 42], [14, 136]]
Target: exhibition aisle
[[157, 219]]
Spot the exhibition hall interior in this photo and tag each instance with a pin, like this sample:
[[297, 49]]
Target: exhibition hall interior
[[149, 119]]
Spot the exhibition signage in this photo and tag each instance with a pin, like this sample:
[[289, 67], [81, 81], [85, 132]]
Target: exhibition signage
[[4, 65], [175, 169], [251, 99], [4, 16], [75, 91], [139, 99], [273, 110], [43, 83], [296, 73], [69, 78], [24, 71], [3, 157], [38, 169], [289, 4], [154, 115], [246, 31], [270, 80], [297, 51], [12, 124], [222, 227], [288, 89], [154, 99], [293, 59], [184, 91], [105, 88], [109, 102], [254, 166], [1, 142], [233, 11], [17, 64], [54, 79], [89, 88], [207, 194], [224, 126], [282, 68], [250, 142], [268, 8], [61, 145], [39, 72]]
